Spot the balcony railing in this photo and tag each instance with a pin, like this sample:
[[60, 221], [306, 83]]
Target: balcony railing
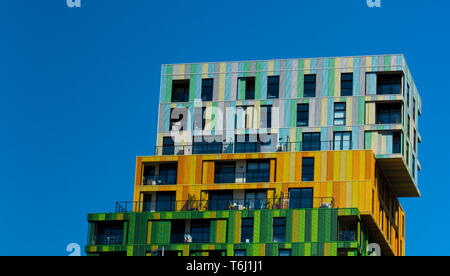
[[108, 239], [220, 148], [159, 180], [215, 205], [250, 177]]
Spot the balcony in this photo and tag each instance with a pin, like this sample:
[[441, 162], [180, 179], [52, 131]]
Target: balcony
[[231, 205], [159, 180], [257, 147]]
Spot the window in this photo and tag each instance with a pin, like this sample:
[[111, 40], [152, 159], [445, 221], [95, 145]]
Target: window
[[200, 231], [148, 175], [167, 174], [273, 87], [247, 230], [266, 116], [256, 200], [339, 114], [206, 147], [243, 113], [300, 198], [284, 252], [407, 153], [178, 230], [309, 86], [397, 143], [180, 91], [408, 126], [308, 169], [244, 145], [109, 233], [207, 89], [414, 110], [225, 172], [347, 230], [248, 84], [343, 140], [302, 115], [147, 203], [220, 200], [279, 229], [258, 171], [389, 84], [311, 141], [240, 253], [165, 201], [407, 95], [389, 113], [414, 140], [413, 167], [347, 84], [168, 146]]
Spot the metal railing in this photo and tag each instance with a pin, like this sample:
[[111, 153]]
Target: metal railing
[[217, 205], [256, 147]]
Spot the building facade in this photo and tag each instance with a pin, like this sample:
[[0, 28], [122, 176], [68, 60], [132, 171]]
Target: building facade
[[279, 157]]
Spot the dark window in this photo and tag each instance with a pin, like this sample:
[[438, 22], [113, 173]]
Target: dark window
[[408, 95], [389, 113], [165, 201], [414, 140], [285, 252], [225, 172], [167, 174], [307, 169], [413, 167], [389, 84], [205, 147], [346, 84], [300, 198], [245, 145], [397, 142], [256, 200], [180, 91], [311, 141], [207, 89], [149, 175], [302, 115], [178, 230], [279, 229], [109, 233], [244, 110], [347, 231], [220, 200], [203, 118], [340, 114], [258, 171], [147, 203], [168, 146], [342, 140], [200, 231], [408, 126], [273, 87], [414, 110], [249, 84], [240, 253], [247, 230], [309, 86], [266, 116]]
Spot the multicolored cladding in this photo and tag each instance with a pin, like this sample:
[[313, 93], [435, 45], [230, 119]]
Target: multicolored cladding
[[334, 199], [360, 111]]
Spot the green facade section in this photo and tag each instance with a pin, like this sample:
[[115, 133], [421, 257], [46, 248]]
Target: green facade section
[[309, 232]]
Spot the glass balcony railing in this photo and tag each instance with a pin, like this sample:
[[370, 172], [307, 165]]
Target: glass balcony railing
[[225, 204]]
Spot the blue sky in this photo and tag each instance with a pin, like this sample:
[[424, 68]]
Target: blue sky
[[79, 93]]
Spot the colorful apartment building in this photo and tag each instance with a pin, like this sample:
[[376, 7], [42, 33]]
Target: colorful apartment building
[[300, 157]]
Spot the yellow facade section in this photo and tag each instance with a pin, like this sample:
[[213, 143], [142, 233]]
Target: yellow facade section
[[350, 178]]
